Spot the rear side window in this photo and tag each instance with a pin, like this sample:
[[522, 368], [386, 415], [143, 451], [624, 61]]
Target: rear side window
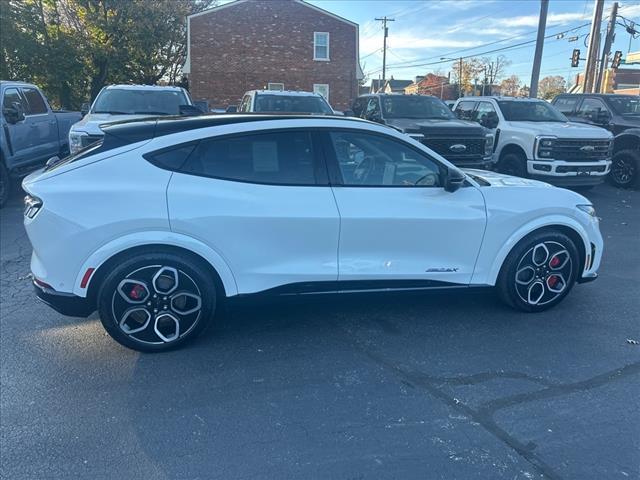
[[171, 159], [566, 104], [284, 158], [35, 100]]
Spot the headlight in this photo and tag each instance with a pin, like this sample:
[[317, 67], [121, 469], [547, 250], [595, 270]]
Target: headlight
[[32, 206], [588, 209], [75, 141], [488, 144], [544, 148]]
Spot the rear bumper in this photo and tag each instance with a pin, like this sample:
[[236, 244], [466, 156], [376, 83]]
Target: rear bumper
[[65, 303]]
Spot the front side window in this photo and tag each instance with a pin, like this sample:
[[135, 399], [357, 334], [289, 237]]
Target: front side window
[[566, 105], [245, 104], [486, 115], [12, 98], [373, 108], [35, 101], [120, 101], [322, 89], [526, 111], [375, 161], [414, 106], [464, 110], [271, 158], [591, 108], [320, 46]]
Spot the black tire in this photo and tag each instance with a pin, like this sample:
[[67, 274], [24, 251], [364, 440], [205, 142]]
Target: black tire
[[534, 294], [513, 164], [5, 184], [625, 169], [154, 324]]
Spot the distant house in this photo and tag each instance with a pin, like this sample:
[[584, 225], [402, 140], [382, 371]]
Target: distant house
[[431, 84], [271, 44], [625, 81], [395, 86], [376, 85]]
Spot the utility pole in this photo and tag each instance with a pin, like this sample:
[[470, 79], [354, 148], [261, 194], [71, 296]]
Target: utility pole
[[384, 21], [537, 59], [460, 93], [592, 53], [606, 50]]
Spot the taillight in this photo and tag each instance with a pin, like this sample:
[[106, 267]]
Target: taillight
[[32, 206]]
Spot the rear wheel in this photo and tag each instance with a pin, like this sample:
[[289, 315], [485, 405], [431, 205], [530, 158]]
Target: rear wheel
[[5, 185], [513, 164], [539, 272], [625, 167], [156, 301]]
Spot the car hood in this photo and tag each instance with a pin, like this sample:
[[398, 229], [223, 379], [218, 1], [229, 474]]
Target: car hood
[[493, 179], [435, 126], [563, 130], [91, 122]]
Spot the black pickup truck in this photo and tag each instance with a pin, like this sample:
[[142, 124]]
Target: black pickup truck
[[430, 121], [620, 114]]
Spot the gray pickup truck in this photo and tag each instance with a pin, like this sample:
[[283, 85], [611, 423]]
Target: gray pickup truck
[[30, 132]]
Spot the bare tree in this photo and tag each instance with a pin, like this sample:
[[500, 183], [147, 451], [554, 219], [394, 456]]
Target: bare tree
[[510, 86], [551, 86], [494, 68]]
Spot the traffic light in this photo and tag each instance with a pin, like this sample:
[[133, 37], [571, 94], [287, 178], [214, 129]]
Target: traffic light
[[617, 57], [575, 57]]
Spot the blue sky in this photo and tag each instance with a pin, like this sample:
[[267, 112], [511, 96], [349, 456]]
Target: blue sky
[[424, 31]]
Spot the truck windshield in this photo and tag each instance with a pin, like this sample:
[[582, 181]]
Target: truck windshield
[[624, 105], [121, 101], [292, 104], [525, 111], [414, 106]]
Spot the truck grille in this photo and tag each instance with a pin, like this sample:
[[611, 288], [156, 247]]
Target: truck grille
[[578, 150], [473, 147]]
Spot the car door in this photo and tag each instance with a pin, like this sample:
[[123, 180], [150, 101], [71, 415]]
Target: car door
[[42, 123], [593, 111], [262, 201], [18, 134], [397, 222]]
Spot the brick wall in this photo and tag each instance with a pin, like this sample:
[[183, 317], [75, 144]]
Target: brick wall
[[249, 44]]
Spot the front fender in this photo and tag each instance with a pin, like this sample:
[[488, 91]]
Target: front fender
[[487, 271], [139, 239]]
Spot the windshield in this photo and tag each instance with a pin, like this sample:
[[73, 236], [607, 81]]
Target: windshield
[[625, 105], [118, 101], [414, 106], [291, 103], [525, 111]]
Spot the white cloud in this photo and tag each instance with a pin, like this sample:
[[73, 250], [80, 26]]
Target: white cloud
[[532, 20]]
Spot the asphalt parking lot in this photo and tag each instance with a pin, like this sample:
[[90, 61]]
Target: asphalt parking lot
[[452, 386]]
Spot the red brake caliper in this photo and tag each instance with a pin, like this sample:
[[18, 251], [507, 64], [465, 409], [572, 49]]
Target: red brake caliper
[[552, 280], [555, 261], [137, 292]]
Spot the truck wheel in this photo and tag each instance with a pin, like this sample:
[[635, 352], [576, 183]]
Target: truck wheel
[[625, 165], [5, 184], [513, 164]]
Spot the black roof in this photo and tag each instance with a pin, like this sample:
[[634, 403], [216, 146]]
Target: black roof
[[132, 131], [595, 95]]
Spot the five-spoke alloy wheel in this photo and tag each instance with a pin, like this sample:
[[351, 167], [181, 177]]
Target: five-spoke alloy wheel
[[156, 301], [539, 271]]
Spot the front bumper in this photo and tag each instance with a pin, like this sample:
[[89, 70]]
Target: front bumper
[[485, 163], [65, 303], [562, 173]]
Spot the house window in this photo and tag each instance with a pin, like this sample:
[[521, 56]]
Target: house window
[[322, 89], [276, 86], [321, 46]]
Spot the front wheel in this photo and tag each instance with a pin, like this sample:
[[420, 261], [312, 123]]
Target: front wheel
[[625, 169], [513, 164], [539, 272], [156, 301]]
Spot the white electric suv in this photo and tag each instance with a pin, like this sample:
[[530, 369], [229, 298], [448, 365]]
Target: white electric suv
[[164, 218]]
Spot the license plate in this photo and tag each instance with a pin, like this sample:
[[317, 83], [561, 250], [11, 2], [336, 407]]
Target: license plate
[[584, 172]]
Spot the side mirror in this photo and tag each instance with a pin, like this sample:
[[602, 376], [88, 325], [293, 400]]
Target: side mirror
[[454, 180], [349, 113], [232, 109], [84, 108], [13, 113], [189, 110]]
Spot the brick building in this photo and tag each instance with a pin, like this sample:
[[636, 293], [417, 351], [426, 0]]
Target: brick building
[[277, 44]]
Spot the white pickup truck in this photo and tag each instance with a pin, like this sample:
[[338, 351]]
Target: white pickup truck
[[116, 103], [533, 139]]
